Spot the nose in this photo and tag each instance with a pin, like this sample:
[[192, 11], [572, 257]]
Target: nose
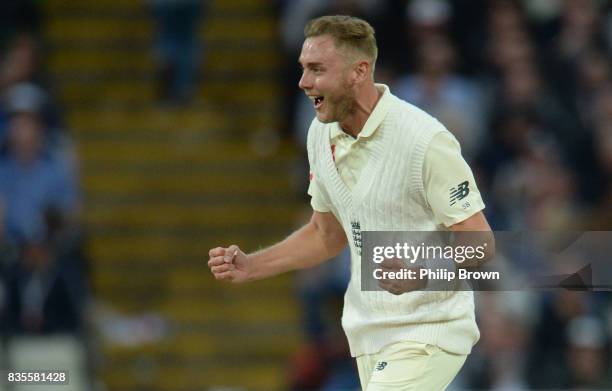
[[305, 81]]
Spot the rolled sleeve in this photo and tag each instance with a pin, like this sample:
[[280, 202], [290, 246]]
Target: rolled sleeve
[[450, 188]]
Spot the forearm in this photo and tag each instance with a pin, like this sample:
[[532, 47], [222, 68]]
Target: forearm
[[475, 232], [484, 242], [305, 248]]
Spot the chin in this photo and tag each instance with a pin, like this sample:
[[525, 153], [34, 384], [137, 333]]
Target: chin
[[324, 118]]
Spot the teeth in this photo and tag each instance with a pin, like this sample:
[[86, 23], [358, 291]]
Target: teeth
[[315, 99]]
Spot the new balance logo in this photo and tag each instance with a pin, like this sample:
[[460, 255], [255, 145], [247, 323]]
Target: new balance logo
[[381, 365], [460, 192]]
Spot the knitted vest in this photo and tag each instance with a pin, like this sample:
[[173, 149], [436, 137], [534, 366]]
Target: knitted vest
[[389, 196]]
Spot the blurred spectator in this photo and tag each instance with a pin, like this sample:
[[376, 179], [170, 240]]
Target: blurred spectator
[[522, 87], [22, 82], [454, 100], [579, 32], [21, 62], [29, 98], [602, 178], [580, 28], [547, 360], [177, 47], [32, 182], [593, 73], [535, 190], [506, 51], [17, 65], [586, 354], [497, 362], [469, 34], [17, 98], [46, 289], [427, 17], [38, 190]]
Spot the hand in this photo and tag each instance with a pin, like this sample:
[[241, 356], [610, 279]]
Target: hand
[[229, 264], [399, 286]]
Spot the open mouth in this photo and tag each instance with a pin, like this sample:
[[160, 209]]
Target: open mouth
[[317, 100]]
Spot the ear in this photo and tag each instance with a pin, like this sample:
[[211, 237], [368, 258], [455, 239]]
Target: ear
[[361, 71]]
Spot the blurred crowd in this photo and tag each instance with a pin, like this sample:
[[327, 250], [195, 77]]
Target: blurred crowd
[[43, 287], [526, 87], [177, 48]]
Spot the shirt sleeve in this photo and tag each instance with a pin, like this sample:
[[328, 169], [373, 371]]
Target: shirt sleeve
[[317, 200], [450, 188]]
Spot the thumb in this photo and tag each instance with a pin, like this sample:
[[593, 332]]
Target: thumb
[[230, 253]]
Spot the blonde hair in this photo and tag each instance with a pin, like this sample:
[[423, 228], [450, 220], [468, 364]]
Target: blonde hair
[[348, 32]]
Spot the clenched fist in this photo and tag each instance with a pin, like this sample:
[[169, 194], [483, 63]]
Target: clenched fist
[[229, 264], [400, 286]]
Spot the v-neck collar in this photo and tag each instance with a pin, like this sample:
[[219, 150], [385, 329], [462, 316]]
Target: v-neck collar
[[374, 120], [355, 196]]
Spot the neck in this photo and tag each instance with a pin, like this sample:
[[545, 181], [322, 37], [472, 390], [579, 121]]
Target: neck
[[365, 102]]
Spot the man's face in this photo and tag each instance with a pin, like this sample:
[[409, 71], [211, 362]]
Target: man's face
[[325, 79]]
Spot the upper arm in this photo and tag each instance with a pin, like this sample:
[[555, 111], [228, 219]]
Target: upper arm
[[329, 229], [477, 222], [475, 231]]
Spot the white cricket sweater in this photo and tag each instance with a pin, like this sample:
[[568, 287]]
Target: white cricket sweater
[[389, 196]]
